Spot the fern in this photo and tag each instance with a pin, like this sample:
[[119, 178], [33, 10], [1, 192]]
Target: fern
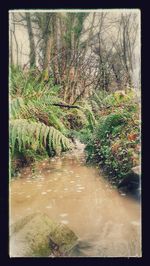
[[36, 110], [18, 108], [90, 116], [35, 125], [109, 123], [25, 133], [54, 120], [98, 98]]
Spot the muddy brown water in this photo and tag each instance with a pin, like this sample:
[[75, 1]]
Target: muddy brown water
[[107, 223]]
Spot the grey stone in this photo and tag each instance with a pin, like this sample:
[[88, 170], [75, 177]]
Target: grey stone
[[37, 235]]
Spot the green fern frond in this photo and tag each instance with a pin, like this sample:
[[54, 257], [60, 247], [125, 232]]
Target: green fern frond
[[36, 135], [13, 132], [45, 134], [90, 116], [16, 106], [51, 138], [23, 135], [56, 122], [19, 139]]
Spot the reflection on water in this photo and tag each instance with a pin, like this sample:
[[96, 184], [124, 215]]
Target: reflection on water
[[106, 223]]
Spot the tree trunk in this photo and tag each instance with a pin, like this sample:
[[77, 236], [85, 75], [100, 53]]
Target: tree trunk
[[118, 81], [31, 41], [11, 49], [47, 57], [15, 38], [55, 50]]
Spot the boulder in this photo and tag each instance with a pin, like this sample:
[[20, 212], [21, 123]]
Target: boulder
[[130, 184], [37, 235]]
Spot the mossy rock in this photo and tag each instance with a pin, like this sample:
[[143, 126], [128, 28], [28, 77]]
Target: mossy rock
[[37, 235]]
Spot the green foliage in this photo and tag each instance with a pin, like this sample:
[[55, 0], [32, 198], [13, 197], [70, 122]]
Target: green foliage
[[76, 119], [74, 25], [82, 122], [109, 124], [98, 98], [115, 142], [84, 135], [82, 118], [102, 100], [90, 116], [35, 135], [18, 108], [80, 17], [36, 125], [36, 100], [28, 84]]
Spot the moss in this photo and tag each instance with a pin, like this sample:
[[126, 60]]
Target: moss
[[17, 226], [31, 236]]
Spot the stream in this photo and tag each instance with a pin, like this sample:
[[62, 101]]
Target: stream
[[107, 223]]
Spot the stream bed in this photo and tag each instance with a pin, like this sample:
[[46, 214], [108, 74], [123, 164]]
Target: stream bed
[[107, 223]]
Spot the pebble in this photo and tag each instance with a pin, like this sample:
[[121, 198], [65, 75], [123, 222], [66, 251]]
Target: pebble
[[44, 193], [64, 222], [123, 194], [64, 214]]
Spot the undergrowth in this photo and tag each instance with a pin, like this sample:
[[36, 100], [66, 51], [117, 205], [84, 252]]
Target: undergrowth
[[115, 142], [37, 127]]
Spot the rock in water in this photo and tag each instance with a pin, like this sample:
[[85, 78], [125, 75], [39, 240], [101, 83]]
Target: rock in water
[[32, 236], [131, 183]]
